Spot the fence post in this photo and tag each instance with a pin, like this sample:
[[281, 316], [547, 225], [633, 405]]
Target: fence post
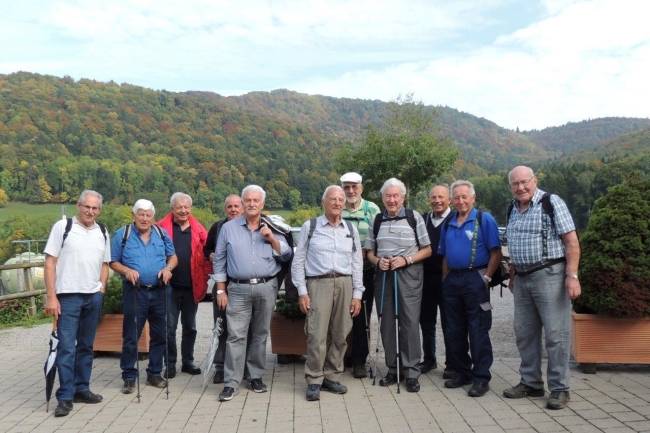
[[29, 286]]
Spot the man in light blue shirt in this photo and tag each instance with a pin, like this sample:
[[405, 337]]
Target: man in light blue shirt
[[249, 255]]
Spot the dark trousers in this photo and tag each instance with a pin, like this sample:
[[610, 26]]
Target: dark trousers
[[467, 307], [182, 304], [359, 336], [431, 301]]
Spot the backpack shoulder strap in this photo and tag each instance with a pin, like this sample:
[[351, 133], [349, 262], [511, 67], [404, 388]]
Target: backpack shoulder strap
[[312, 229], [349, 224], [511, 206], [375, 228], [366, 208], [158, 230], [102, 227], [410, 217], [126, 234], [547, 206], [68, 227]]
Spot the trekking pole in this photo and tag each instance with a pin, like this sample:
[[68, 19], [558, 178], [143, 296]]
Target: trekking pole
[[135, 320], [365, 315], [166, 338], [396, 327], [380, 310]]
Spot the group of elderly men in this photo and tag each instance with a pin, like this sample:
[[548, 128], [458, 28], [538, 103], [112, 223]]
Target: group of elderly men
[[409, 264]]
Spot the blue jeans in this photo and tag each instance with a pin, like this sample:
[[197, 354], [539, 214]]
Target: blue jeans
[[76, 330], [182, 303], [463, 293], [151, 307]]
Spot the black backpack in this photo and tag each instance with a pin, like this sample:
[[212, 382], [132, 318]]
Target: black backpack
[[285, 270], [410, 217], [129, 227], [68, 227]]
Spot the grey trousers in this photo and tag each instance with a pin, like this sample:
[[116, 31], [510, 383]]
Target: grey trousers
[[542, 301], [327, 325], [409, 300], [249, 306]]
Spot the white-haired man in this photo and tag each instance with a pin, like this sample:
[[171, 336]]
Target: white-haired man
[[145, 258], [248, 255]]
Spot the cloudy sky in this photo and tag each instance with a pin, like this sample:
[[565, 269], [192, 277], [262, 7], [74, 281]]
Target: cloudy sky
[[520, 63]]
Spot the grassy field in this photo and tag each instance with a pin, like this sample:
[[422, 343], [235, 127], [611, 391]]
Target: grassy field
[[48, 211]]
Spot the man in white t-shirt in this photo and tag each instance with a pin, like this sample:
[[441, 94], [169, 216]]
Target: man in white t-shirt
[[76, 272]]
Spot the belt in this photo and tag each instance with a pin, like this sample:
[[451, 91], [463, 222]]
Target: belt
[[151, 286], [332, 275], [252, 280], [463, 271], [545, 265]]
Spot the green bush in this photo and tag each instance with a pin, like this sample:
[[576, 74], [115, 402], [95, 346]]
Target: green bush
[[15, 310], [290, 311], [113, 297], [615, 265]]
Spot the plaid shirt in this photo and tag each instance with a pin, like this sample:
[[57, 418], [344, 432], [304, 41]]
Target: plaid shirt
[[525, 231]]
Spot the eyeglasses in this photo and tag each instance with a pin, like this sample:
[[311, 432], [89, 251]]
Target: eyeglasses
[[523, 183], [354, 187], [92, 208]]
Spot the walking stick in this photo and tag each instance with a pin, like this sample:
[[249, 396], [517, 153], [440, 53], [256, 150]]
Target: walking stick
[[135, 320], [166, 338], [380, 311], [365, 315], [396, 327]]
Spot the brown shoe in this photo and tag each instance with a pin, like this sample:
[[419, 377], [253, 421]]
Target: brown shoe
[[156, 381], [129, 387], [359, 371], [522, 390], [558, 400]]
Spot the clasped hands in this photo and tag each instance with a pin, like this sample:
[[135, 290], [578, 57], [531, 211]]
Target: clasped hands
[[392, 263]]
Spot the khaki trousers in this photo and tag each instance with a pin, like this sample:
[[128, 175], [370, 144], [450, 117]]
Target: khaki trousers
[[327, 326]]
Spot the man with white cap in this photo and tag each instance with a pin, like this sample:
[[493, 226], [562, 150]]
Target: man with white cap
[[359, 212]]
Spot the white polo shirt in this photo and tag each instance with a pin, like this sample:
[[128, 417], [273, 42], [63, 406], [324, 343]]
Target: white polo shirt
[[79, 262]]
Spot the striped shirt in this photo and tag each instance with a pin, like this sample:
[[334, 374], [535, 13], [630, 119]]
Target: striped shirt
[[361, 216], [525, 231], [330, 250], [396, 237]]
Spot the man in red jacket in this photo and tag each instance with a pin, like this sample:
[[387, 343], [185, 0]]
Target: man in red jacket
[[188, 282]]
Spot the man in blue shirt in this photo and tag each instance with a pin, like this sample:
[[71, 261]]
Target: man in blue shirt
[[145, 262], [248, 255], [472, 252]]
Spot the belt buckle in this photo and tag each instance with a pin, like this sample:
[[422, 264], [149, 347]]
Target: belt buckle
[[254, 280]]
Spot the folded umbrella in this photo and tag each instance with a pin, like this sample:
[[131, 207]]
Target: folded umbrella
[[50, 366], [209, 360]]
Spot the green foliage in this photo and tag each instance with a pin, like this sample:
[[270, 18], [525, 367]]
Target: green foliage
[[298, 218], [14, 311], [4, 199], [615, 265], [290, 311], [113, 296], [409, 146]]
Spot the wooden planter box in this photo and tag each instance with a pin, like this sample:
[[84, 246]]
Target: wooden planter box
[[610, 340], [288, 337], [109, 335]]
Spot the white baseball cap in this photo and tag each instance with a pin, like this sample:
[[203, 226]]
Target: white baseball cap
[[351, 177]]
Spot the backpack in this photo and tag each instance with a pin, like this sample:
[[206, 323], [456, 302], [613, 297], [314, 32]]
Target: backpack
[[312, 228], [277, 224], [127, 232], [410, 217], [366, 207], [68, 227]]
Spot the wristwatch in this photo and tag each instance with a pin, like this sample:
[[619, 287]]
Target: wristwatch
[[219, 292], [486, 278], [574, 276]]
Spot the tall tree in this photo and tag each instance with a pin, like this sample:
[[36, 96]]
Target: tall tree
[[409, 146]]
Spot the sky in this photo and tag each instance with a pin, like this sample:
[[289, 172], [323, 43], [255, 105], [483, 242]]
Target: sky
[[526, 64]]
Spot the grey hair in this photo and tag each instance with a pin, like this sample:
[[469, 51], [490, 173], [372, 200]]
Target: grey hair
[[462, 183], [179, 196], [225, 202], [86, 192], [520, 166], [145, 205], [253, 188], [329, 188], [394, 182]]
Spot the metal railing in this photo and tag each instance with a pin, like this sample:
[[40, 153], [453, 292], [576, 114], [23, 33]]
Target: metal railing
[[30, 291]]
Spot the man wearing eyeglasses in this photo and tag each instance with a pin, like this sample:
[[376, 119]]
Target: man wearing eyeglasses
[[545, 252], [359, 212], [76, 272]]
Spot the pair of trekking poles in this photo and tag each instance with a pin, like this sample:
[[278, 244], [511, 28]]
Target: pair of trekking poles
[[135, 319], [380, 311]]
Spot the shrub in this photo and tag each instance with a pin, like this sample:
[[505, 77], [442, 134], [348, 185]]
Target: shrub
[[15, 310], [113, 297], [615, 265], [290, 311]]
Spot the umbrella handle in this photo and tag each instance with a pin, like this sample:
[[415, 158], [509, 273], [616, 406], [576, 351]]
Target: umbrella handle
[[55, 323]]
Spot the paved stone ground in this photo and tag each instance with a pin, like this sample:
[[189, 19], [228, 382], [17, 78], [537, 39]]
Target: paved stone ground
[[617, 399]]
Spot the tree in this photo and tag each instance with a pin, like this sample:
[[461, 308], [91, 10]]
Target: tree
[[294, 199], [408, 146], [3, 198]]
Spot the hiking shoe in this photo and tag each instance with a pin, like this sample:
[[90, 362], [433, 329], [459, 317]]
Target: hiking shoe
[[218, 377], [478, 389], [390, 379], [333, 387], [313, 392], [257, 385], [227, 394], [170, 373], [359, 371], [63, 408], [457, 382], [156, 381], [522, 390], [190, 369], [427, 366], [86, 396], [448, 373], [412, 385], [558, 400], [129, 386]]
